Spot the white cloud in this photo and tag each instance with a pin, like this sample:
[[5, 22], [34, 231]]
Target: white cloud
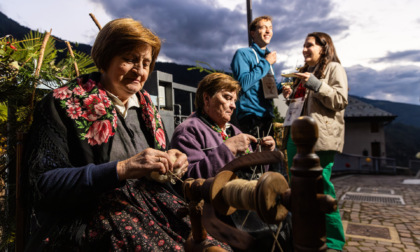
[[69, 20], [377, 27]]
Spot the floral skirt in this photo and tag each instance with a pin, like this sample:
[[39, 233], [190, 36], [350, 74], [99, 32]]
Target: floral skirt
[[140, 216]]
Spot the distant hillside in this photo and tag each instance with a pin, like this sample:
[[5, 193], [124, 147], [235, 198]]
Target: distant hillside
[[402, 142], [180, 73], [408, 114], [8, 26]]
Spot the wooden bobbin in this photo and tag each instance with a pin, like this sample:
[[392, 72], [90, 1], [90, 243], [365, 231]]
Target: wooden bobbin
[[216, 196], [271, 188], [272, 193]]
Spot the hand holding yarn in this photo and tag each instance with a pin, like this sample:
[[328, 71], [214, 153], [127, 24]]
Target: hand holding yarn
[[179, 163]]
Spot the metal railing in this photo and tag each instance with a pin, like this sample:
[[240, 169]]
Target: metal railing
[[364, 164], [178, 119], [414, 166]]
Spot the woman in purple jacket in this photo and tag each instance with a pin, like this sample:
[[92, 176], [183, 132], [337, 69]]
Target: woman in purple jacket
[[210, 142], [207, 137]]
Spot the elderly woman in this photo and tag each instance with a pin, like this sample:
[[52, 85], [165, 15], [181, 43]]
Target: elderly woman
[[92, 147], [207, 137], [210, 142]]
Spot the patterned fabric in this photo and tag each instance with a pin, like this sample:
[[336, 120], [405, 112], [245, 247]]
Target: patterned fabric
[[206, 119], [300, 91], [140, 216], [87, 103]]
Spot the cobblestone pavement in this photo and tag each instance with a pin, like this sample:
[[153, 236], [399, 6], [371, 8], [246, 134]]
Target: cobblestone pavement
[[372, 226]]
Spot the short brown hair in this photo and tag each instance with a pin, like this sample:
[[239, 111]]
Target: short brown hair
[[120, 36], [253, 25], [213, 83]]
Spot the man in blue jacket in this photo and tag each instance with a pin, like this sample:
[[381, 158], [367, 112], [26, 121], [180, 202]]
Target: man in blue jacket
[[252, 67]]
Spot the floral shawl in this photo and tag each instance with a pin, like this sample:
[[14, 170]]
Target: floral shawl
[[73, 127], [87, 103]]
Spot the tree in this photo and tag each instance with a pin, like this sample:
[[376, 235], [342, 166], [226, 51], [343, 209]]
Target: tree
[[28, 70]]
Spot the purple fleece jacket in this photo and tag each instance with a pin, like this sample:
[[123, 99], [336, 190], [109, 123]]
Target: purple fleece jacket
[[204, 147]]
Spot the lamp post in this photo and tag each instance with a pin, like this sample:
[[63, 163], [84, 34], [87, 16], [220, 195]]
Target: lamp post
[[249, 18]]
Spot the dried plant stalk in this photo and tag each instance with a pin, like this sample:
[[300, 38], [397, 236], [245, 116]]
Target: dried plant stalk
[[72, 55]]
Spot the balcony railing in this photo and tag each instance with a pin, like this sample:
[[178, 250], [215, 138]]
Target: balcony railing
[[364, 164]]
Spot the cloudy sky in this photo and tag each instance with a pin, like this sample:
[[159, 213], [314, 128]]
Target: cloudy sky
[[377, 41]]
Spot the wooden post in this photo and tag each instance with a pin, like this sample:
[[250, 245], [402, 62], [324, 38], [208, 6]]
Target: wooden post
[[72, 55], [20, 212], [95, 20], [308, 204], [41, 53], [38, 69], [197, 241]]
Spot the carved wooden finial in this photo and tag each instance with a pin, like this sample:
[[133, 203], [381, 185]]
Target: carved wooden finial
[[308, 218], [305, 133]]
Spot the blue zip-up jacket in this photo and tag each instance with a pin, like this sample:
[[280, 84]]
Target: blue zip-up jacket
[[249, 72]]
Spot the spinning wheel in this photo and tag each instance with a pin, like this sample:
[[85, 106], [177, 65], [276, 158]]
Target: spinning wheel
[[225, 193], [270, 197]]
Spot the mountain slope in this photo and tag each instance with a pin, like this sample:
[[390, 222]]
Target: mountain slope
[[9, 26], [407, 114]]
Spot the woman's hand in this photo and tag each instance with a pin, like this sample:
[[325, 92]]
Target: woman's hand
[[147, 161], [287, 91], [179, 161], [310, 81], [240, 143], [303, 76], [268, 143]]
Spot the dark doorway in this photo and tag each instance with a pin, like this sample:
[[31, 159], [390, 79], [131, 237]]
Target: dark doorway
[[376, 149]]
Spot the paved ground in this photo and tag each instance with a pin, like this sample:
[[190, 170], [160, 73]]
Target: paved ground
[[371, 226]]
